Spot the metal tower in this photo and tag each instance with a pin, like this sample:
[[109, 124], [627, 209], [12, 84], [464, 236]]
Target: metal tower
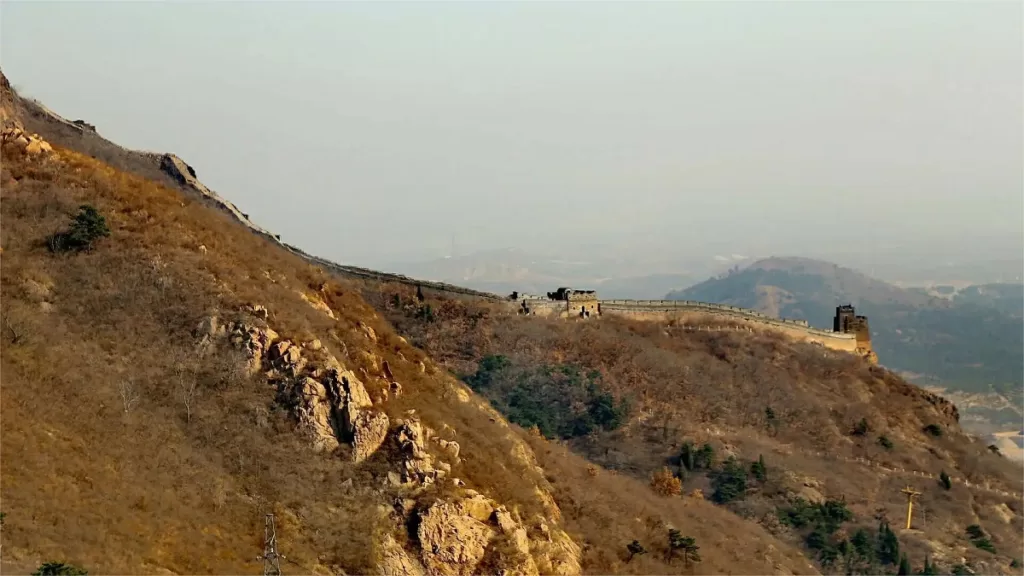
[[270, 557]]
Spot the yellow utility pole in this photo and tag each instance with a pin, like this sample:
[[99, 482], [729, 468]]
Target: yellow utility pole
[[910, 492]]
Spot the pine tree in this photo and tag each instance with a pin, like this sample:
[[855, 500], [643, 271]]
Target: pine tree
[[945, 481], [686, 457], [904, 569], [675, 542], [758, 470], [888, 545], [691, 552], [730, 483], [929, 568], [87, 227]]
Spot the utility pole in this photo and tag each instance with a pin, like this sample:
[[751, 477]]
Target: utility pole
[[910, 492], [270, 557]]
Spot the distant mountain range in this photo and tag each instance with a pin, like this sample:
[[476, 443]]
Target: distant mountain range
[[970, 338], [504, 271]]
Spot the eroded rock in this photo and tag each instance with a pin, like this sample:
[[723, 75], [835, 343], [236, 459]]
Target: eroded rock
[[451, 541], [395, 561], [369, 431], [313, 410]]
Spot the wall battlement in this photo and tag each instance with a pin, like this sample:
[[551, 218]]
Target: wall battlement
[[852, 336]]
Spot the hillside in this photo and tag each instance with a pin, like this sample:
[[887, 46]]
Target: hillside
[[966, 342], [170, 377], [827, 427]]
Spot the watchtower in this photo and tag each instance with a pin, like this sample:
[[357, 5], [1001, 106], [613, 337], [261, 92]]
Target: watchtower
[[847, 321], [582, 303]]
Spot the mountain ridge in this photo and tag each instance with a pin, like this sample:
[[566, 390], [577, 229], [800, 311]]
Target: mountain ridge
[[328, 395]]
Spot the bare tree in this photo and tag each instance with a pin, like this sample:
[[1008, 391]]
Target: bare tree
[[129, 394], [186, 388]]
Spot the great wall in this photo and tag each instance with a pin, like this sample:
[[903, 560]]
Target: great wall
[[853, 336], [850, 332]]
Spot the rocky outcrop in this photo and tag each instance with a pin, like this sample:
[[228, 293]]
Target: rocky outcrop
[[395, 561], [254, 340], [369, 430], [460, 531], [312, 409], [32, 144], [453, 536]]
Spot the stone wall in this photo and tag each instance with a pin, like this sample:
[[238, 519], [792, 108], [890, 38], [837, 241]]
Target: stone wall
[[689, 311], [585, 304]]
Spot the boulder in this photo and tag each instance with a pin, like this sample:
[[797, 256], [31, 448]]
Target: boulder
[[368, 332], [451, 542], [313, 410], [254, 340], [369, 431], [395, 561], [449, 448]]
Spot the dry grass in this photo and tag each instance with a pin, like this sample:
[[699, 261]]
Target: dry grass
[[85, 482], [608, 510], [715, 387]]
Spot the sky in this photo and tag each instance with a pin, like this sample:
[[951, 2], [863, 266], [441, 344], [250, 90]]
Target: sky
[[376, 132]]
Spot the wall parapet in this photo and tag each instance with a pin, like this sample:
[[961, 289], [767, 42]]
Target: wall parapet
[[668, 306]]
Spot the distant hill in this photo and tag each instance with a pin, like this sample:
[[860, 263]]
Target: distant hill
[[506, 270], [972, 341], [1008, 298]]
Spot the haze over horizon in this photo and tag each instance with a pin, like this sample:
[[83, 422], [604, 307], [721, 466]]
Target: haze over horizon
[[372, 133]]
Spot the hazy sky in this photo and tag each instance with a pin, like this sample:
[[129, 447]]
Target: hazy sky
[[372, 132]]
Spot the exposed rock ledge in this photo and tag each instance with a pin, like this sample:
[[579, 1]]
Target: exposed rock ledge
[[460, 532]]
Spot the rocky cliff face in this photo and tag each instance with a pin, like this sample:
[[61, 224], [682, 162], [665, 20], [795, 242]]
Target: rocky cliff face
[[458, 531]]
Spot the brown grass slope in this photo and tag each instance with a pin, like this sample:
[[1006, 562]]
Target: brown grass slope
[[159, 488], [150, 489], [716, 386]]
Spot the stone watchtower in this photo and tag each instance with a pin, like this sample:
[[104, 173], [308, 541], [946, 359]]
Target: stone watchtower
[[582, 303], [847, 321]]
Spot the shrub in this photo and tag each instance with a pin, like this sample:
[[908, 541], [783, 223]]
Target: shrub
[[730, 483], [87, 227], [665, 483], [634, 548], [945, 481], [696, 459], [861, 428], [563, 400], [817, 539], [827, 516], [974, 532], [758, 469], [884, 441], [933, 430], [985, 544], [59, 569]]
